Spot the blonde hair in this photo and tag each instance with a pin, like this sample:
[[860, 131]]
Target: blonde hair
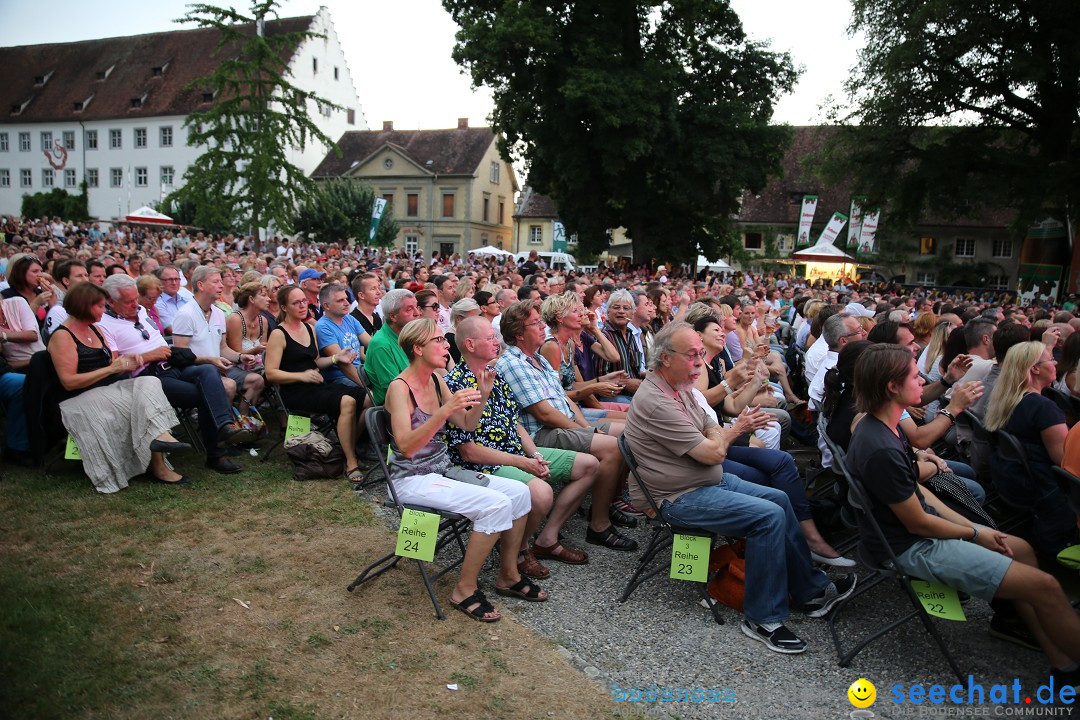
[[1012, 384], [462, 306], [936, 348], [699, 310], [417, 332], [556, 307]]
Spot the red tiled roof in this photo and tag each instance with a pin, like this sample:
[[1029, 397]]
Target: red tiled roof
[[457, 151], [780, 201], [186, 55]]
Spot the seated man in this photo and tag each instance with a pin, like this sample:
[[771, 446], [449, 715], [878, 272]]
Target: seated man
[[339, 332], [385, 358], [553, 420], [679, 450], [128, 331], [492, 449]]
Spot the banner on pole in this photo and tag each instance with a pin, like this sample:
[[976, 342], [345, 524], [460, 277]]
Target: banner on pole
[[868, 233], [832, 230], [806, 219], [855, 221], [376, 217]]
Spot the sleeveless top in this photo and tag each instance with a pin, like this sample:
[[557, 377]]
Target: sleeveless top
[[434, 457], [247, 343], [715, 370], [92, 358], [567, 376], [295, 357]]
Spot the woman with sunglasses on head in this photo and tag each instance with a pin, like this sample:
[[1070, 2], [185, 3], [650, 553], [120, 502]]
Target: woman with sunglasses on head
[[294, 363], [420, 403]]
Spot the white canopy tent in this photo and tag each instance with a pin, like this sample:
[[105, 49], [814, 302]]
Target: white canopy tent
[[490, 250], [148, 215], [703, 262]]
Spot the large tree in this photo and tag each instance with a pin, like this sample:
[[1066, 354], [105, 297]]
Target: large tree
[[649, 115], [340, 210], [956, 107], [257, 116]]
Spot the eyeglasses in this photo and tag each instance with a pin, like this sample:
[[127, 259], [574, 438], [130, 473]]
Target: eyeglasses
[[860, 331], [538, 323], [432, 306], [440, 339], [691, 354]]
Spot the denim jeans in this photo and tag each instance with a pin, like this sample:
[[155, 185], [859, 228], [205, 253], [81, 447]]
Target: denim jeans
[[199, 386], [967, 473], [777, 557], [11, 394], [771, 468]]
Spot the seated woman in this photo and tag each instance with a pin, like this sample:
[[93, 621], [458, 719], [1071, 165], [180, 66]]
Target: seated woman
[[420, 404], [120, 426], [293, 362], [1017, 406], [246, 331], [150, 288], [930, 541], [272, 283], [752, 342], [28, 281]]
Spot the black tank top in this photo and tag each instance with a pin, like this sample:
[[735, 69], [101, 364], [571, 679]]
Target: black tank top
[[92, 358], [295, 357]]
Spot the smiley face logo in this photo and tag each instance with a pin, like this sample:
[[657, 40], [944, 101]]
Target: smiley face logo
[[862, 693]]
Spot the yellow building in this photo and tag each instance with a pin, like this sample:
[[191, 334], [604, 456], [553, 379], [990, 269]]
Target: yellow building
[[448, 189]]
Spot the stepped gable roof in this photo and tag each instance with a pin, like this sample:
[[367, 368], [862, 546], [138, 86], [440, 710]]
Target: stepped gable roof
[[455, 151], [111, 73], [780, 202]]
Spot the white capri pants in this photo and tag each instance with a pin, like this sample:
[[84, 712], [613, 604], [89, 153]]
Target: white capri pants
[[492, 509]]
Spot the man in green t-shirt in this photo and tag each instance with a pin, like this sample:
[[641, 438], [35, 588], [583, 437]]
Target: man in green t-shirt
[[385, 358]]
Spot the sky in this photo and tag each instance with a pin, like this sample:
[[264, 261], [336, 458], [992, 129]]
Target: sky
[[430, 91]]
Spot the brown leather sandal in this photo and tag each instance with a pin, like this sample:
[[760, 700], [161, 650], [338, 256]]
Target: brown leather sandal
[[562, 553], [529, 566]]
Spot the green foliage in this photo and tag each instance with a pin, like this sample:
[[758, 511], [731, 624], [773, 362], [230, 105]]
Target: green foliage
[[653, 116], [339, 210], [57, 203], [963, 106], [243, 175]]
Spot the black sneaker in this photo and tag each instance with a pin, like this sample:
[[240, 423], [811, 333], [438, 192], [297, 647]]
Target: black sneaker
[[1065, 678], [1012, 629], [834, 593], [780, 640]]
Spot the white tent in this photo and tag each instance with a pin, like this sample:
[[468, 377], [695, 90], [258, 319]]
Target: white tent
[[148, 215], [827, 251], [490, 250], [703, 262]]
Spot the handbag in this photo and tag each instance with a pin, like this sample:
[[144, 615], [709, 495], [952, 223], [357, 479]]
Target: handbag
[[181, 358], [728, 585], [467, 476], [252, 422]]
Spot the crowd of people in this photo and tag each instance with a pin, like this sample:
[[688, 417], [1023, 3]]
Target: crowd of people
[[509, 383]]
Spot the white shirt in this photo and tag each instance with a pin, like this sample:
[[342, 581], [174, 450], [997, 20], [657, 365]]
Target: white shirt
[[126, 339], [205, 335], [814, 357], [817, 385]]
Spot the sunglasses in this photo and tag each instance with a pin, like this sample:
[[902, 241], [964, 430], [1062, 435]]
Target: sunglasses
[[142, 330]]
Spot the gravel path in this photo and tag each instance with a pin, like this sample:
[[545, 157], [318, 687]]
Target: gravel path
[[662, 636]]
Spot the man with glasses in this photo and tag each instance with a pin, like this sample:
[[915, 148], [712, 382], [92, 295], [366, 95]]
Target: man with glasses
[[680, 451], [173, 296], [838, 331], [129, 331]]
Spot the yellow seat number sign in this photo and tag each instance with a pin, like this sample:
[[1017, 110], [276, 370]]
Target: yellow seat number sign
[[417, 535], [690, 557]]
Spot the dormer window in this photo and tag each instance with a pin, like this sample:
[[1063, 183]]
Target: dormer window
[[40, 80], [136, 102], [81, 105], [17, 108], [104, 74], [207, 97], [159, 70]]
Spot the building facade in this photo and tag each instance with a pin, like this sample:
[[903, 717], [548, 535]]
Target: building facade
[[112, 111], [449, 190]]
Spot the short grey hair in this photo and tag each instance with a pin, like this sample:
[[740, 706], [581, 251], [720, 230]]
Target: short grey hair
[[662, 342], [329, 289], [833, 329], [202, 274], [462, 306], [392, 301], [621, 296], [117, 282]]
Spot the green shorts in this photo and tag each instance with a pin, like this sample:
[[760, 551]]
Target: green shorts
[[560, 463]]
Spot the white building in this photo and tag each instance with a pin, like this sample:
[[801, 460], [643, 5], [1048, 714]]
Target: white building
[[113, 111]]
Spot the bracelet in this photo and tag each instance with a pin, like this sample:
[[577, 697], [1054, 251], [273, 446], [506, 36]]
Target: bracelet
[[946, 413], [974, 537], [724, 384], [333, 359], [945, 383]]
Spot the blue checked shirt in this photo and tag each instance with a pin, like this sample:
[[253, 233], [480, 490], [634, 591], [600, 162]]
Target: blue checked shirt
[[531, 386]]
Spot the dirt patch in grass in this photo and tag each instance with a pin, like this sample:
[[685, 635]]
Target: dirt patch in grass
[[229, 601]]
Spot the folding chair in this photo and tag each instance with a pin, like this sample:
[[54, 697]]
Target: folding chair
[[663, 537], [272, 393], [1070, 485], [1068, 404], [860, 501], [187, 424], [451, 525]]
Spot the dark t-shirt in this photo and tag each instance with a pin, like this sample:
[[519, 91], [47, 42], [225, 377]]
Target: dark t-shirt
[[1034, 414], [885, 464], [370, 326]]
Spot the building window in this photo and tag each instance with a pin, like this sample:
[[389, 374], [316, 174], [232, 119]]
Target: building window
[[487, 204], [998, 282], [923, 277], [752, 241], [165, 136], [24, 142], [69, 178], [536, 234], [502, 214], [412, 204], [335, 73], [412, 244], [166, 176], [927, 246], [388, 210], [141, 177], [116, 177], [1003, 248], [494, 173], [46, 141], [69, 139], [92, 177], [91, 139], [47, 176], [5, 178], [115, 142], [965, 247], [314, 66], [448, 205], [3, 142], [140, 137], [26, 178], [785, 243], [350, 116]]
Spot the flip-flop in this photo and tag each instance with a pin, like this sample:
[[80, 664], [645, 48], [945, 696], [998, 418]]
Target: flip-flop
[[482, 606], [355, 476], [518, 590]]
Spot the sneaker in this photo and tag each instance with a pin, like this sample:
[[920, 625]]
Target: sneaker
[[1065, 678], [834, 593], [1013, 629], [625, 506], [780, 639]]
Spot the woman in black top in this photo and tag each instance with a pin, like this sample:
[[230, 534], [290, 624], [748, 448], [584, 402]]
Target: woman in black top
[[294, 363]]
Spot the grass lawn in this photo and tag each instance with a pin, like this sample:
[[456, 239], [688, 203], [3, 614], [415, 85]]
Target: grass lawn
[[226, 599]]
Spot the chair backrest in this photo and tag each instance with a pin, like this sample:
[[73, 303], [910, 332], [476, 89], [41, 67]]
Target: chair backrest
[[1070, 485], [1064, 401], [1009, 447], [859, 499], [377, 420], [631, 463]]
